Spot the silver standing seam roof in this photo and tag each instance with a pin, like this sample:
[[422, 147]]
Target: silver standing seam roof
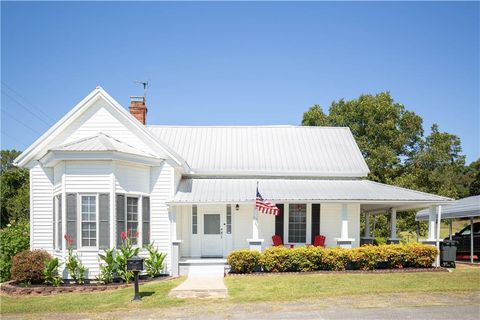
[[266, 150], [101, 142], [191, 190], [463, 208]]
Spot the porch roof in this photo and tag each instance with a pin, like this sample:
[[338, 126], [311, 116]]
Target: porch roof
[[197, 191], [463, 208]]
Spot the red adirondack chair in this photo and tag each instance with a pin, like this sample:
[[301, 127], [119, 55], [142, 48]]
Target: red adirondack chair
[[277, 241], [319, 241]]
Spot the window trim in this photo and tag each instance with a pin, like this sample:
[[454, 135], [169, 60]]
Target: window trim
[[80, 245]]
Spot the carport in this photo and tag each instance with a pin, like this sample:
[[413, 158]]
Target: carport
[[463, 208]]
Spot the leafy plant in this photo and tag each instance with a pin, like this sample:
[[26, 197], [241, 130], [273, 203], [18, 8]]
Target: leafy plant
[[126, 251], [108, 267], [50, 272], [74, 267], [28, 266], [154, 263], [243, 261], [13, 239]]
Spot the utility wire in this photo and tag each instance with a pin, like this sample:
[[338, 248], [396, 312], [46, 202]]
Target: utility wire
[[25, 108], [21, 122], [23, 144], [34, 107]]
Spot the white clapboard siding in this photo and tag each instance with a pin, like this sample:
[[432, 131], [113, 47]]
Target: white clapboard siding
[[162, 191], [41, 206], [331, 224], [132, 178], [88, 176], [242, 226], [100, 117]]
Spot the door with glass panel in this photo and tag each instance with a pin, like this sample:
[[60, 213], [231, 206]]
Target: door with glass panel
[[212, 235]]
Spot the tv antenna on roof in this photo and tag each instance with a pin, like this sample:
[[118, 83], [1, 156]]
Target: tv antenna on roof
[[146, 85]]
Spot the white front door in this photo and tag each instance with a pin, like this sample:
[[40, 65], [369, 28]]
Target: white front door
[[212, 235]]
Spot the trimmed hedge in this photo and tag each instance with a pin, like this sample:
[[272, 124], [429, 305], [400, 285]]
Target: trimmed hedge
[[243, 261], [28, 266], [303, 259]]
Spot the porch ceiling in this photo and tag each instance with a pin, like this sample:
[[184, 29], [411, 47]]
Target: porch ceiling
[[372, 195]]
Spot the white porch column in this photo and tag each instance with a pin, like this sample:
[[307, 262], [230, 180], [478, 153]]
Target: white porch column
[[434, 229], [393, 226], [255, 243], [431, 223], [367, 225], [344, 241]]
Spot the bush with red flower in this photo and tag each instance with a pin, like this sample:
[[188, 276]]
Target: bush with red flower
[[126, 251], [75, 268]]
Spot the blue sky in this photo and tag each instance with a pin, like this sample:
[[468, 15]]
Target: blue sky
[[240, 63]]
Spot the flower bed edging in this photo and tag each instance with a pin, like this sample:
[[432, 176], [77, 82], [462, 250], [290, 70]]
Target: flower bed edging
[[11, 288], [404, 270]]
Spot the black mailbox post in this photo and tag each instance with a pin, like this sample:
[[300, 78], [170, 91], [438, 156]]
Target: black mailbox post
[[135, 264]]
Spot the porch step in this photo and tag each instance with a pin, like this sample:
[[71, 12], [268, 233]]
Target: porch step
[[202, 266]]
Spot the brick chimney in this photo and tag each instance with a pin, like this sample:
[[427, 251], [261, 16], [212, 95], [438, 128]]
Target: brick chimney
[[138, 109]]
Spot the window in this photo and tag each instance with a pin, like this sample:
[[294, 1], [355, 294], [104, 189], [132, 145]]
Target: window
[[89, 220], [229, 219], [59, 222], [297, 223], [132, 219], [194, 219]]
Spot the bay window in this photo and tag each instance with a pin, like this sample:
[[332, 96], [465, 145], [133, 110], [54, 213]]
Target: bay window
[[132, 219]]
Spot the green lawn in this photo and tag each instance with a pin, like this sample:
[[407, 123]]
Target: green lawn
[[253, 289], [154, 295], [290, 287]]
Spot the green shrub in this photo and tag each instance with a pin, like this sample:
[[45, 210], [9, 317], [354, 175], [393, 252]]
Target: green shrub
[[378, 241], [243, 261], [154, 262], [281, 259], [334, 259], [13, 239], [276, 259], [50, 272], [28, 266], [108, 267], [74, 267]]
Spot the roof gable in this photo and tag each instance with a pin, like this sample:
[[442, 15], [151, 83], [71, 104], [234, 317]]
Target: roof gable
[[98, 112], [266, 151]]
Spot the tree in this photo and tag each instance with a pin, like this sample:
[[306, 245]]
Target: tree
[[14, 190], [472, 177], [385, 132], [438, 167]]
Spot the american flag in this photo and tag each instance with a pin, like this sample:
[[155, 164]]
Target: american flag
[[266, 206]]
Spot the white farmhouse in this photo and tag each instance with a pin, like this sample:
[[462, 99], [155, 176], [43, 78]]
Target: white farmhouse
[[191, 190]]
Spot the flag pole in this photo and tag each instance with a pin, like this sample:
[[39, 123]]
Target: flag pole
[[255, 217]]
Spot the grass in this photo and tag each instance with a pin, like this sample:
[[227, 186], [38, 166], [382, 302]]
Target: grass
[[290, 287], [245, 289], [154, 295]]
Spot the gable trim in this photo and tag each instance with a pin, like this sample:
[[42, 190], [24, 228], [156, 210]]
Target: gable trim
[[98, 93]]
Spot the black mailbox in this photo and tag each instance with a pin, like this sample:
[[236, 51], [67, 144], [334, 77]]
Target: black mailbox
[[135, 263]]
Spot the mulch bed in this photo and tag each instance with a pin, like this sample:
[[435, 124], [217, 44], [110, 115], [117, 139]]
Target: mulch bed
[[404, 270], [15, 289]]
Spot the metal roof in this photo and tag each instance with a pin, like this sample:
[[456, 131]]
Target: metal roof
[[192, 190], [101, 142], [266, 150], [466, 207]]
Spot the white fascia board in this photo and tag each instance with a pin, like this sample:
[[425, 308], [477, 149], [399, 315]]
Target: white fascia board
[[53, 157], [279, 174], [23, 159], [389, 203]]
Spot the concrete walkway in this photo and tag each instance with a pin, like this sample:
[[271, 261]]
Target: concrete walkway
[[203, 281]]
